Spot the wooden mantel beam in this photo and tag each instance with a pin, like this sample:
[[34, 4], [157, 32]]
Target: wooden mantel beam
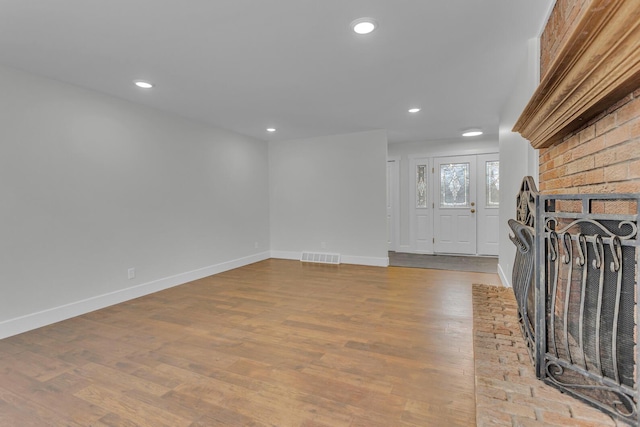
[[597, 66]]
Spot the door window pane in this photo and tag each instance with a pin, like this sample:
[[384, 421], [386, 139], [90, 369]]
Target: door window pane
[[493, 184], [454, 185], [421, 186]]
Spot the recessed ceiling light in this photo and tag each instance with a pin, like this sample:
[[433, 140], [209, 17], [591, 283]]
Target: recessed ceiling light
[[364, 25], [472, 132], [143, 85], [271, 129], [414, 110]]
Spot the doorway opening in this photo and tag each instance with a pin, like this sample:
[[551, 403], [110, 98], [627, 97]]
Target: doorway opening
[[454, 204]]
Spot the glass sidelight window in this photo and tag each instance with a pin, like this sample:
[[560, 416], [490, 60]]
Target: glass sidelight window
[[492, 184], [421, 186]]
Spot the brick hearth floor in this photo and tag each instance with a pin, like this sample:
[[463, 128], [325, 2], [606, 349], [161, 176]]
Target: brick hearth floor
[[507, 391]]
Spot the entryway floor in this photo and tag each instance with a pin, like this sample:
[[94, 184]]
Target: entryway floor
[[479, 264]]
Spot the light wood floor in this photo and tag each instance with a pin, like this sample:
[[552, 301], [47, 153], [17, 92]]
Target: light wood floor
[[277, 343]]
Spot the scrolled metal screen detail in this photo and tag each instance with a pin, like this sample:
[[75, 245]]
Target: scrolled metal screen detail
[[587, 299], [522, 278]]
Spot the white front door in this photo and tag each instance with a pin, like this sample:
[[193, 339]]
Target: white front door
[[455, 207]]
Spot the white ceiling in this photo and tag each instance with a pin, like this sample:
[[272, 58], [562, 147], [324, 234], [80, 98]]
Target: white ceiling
[[245, 65]]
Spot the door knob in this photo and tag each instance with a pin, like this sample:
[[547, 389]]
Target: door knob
[[473, 203], [473, 211]]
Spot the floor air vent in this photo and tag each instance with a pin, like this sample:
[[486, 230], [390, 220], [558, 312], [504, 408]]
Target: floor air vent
[[320, 258]]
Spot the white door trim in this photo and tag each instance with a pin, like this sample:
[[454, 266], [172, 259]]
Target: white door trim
[[395, 202]]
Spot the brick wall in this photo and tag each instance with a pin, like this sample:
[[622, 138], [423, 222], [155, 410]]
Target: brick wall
[[561, 23], [604, 155], [601, 157]]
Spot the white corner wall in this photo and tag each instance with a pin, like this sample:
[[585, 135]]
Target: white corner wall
[[517, 158], [328, 194], [92, 186]]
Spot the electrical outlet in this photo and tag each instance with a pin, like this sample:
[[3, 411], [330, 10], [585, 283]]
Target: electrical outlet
[[131, 273]]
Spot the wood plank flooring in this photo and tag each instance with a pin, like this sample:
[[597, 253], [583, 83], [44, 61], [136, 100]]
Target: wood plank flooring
[[276, 343]]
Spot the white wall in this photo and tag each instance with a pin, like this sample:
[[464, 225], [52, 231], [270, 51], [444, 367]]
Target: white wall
[[92, 185], [328, 194], [481, 145], [517, 157]]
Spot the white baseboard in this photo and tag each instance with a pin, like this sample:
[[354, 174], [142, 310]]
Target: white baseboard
[[503, 277], [286, 255], [344, 259], [408, 250], [364, 260], [32, 321]]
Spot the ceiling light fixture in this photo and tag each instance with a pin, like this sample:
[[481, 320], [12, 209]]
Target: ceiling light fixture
[[143, 85], [271, 129], [414, 110], [364, 25], [472, 132]]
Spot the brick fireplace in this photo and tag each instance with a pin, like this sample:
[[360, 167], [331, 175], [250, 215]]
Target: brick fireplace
[[584, 119], [590, 90]]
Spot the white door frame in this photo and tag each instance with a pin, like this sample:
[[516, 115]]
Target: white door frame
[[393, 200], [408, 199]]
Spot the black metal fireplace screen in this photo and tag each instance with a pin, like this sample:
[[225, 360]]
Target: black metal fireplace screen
[[575, 280]]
